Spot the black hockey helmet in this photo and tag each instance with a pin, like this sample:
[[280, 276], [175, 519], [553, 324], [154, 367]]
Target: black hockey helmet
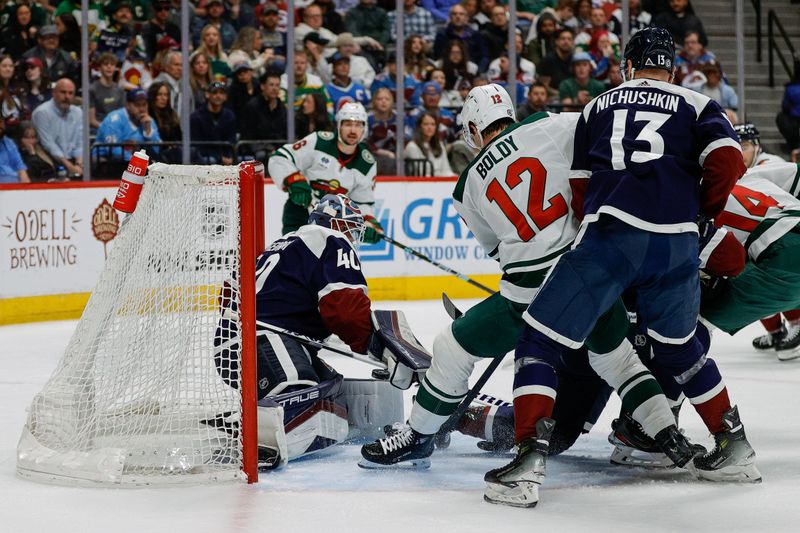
[[649, 48], [338, 212], [747, 131]]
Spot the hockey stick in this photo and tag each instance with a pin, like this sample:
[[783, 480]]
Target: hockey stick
[[451, 309], [446, 268], [322, 345]]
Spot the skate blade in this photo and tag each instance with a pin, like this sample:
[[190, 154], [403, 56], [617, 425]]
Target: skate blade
[[627, 456], [523, 494], [412, 464], [731, 474], [788, 355]]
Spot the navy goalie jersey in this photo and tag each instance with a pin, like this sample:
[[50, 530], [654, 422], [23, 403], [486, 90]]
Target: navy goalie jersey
[[310, 282], [645, 147]]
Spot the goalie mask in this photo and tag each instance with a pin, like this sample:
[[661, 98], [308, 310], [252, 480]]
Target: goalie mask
[[648, 48], [338, 212], [351, 111], [484, 105]]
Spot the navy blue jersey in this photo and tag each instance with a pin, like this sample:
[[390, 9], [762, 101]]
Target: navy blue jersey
[[310, 282], [645, 146]]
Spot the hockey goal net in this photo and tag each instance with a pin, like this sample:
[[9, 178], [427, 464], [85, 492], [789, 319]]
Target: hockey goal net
[[137, 398]]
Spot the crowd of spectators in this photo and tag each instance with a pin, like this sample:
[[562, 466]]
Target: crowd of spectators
[[568, 52]]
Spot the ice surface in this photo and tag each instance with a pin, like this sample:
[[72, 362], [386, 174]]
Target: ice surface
[[583, 492]]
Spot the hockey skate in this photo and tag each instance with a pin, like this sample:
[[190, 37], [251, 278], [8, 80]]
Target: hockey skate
[[732, 459], [517, 483], [633, 447], [788, 347], [402, 447], [769, 340]]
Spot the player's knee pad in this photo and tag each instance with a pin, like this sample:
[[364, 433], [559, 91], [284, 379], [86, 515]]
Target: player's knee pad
[[283, 364], [533, 343], [451, 365], [682, 361], [617, 366]]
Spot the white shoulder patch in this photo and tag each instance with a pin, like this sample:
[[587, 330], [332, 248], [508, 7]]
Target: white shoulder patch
[[325, 135], [367, 156]]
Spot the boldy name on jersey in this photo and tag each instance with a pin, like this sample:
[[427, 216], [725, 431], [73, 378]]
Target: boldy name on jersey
[[665, 101], [503, 148]]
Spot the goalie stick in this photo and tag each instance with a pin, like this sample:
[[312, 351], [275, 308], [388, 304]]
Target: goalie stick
[[446, 268], [323, 345]]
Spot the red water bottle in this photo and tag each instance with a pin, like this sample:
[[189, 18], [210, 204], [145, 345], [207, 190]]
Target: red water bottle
[[130, 186]]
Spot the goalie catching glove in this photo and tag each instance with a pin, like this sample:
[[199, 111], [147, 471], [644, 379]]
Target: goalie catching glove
[[395, 344], [299, 190]]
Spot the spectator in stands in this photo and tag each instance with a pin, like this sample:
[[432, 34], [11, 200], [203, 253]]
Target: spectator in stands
[[304, 82], [565, 15], [312, 22], [331, 18], [361, 70], [583, 15], [557, 65], [535, 102], [247, 47], [60, 127], [313, 116], [216, 17], [457, 29], [214, 123], [578, 89], [118, 37], [416, 20], [41, 166], [158, 27], [58, 63], [446, 119], [499, 68], [388, 80], [241, 90], [638, 18], [367, 19], [212, 48], [12, 168], [69, 34], [426, 144], [97, 15], [11, 108], [129, 124], [495, 33], [105, 95], [417, 62], [199, 78], [135, 72], [315, 48], [614, 78], [169, 125], [456, 64], [439, 9], [788, 119], [342, 88], [171, 73], [19, 35], [34, 90], [679, 20], [690, 60], [599, 20], [39, 14], [265, 115], [528, 10], [545, 40], [719, 91], [602, 49], [382, 122], [271, 37]]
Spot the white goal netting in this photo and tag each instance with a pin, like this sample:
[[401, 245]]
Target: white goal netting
[[136, 398]]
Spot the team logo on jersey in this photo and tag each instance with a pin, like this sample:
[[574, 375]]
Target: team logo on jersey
[[325, 160], [105, 223], [326, 135], [324, 187], [367, 156]]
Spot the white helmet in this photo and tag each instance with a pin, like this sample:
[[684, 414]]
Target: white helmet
[[485, 105], [352, 111]]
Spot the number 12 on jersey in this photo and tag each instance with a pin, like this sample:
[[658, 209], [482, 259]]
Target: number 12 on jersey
[[529, 170]]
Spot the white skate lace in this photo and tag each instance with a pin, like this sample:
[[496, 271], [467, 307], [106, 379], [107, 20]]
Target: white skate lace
[[401, 438]]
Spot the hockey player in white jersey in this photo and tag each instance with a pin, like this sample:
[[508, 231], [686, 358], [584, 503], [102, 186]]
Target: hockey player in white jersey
[[515, 197], [328, 163]]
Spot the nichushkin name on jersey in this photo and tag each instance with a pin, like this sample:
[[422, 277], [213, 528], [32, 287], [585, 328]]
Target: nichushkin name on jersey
[[637, 97], [503, 148]]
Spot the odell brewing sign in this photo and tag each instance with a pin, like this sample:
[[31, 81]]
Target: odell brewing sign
[[105, 223], [41, 238]]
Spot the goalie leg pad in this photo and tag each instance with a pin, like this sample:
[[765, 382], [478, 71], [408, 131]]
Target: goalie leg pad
[[271, 435], [393, 341], [283, 365], [371, 405], [313, 419]]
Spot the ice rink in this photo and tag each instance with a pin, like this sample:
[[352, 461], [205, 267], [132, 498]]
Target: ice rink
[[328, 494]]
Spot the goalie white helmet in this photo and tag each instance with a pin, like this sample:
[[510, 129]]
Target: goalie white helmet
[[351, 111], [484, 105]]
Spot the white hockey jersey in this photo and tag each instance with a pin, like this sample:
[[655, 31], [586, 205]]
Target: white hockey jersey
[[316, 157], [762, 207], [515, 197]]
